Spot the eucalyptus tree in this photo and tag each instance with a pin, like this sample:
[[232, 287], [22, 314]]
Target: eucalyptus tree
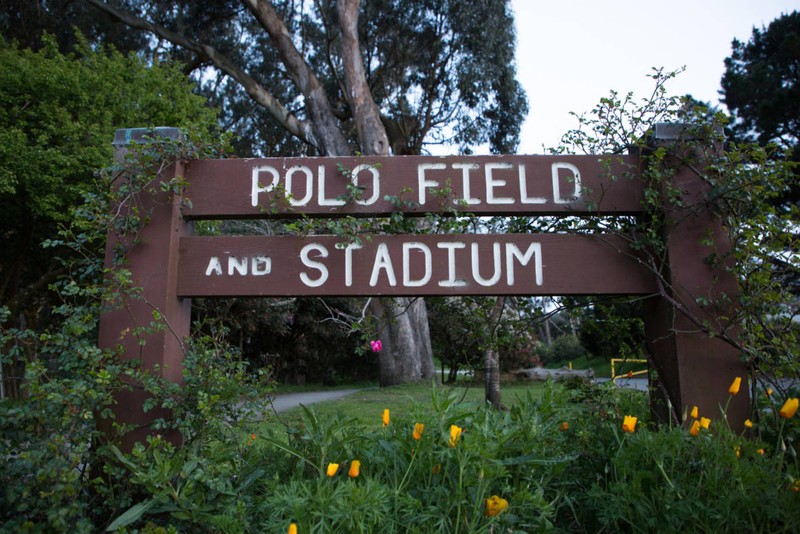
[[338, 77]]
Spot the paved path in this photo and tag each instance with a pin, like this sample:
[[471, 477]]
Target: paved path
[[287, 401]]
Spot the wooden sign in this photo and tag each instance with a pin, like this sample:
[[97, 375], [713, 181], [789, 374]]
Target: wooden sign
[[507, 264], [171, 265], [371, 186]]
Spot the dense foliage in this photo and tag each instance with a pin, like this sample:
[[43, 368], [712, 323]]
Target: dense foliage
[[761, 88], [58, 114], [761, 84], [57, 472], [745, 184], [571, 459]]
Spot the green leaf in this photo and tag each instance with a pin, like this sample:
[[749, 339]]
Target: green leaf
[[134, 513]]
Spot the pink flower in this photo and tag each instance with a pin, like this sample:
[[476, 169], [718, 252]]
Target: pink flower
[[376, 345]]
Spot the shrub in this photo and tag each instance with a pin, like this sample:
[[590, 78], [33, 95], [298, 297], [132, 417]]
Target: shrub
[[564, 349]]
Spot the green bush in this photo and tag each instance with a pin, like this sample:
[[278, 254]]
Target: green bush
[[562, 461], [564, 349]]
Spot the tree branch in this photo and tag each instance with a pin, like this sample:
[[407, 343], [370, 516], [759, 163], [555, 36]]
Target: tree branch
[[371, 133], [326, 128], [296, 127]]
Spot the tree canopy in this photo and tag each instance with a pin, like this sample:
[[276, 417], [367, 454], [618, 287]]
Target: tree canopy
[[58, 114], [761, 84], [286, 73]]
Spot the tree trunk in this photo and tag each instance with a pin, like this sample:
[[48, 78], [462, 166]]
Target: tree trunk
[[491, 377], [491, 358], [407, 355]]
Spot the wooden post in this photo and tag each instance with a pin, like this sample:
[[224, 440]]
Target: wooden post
[[152, 261], [693, 364]]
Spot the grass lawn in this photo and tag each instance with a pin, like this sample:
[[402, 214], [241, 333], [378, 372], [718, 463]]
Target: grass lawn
[[601, 366], [367, 405]]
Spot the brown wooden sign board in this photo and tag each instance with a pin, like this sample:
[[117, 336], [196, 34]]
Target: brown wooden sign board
[[506, 264], [172, 265], [496, 185]]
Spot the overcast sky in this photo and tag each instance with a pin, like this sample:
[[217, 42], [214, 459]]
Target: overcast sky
[[570, 53]]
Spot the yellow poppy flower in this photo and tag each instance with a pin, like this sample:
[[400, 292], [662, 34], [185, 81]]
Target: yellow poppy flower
[[332, 469], [292, 529], [564, 426], [769, 391], [705, 422], [386, 417], [695, 412], [735, 385], [419, 428], [495, 505], [789, 408], [355, 469], [748, 423], [629, 424], [695, 428], [738, 452], [455, 435], [760, 451]]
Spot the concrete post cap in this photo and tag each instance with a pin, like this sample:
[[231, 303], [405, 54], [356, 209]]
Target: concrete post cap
[[129, 136]]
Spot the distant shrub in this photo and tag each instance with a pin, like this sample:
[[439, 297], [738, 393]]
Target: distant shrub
[[564, 349]]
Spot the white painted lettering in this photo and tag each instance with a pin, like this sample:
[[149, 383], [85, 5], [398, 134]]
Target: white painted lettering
[[237, 265], [423, 182], [451, 264], [290, 189], [376, 183], [576, 177], [321, 198], [523, 189], [465, 185], [513, 251], [308, 262], [426, 252], [491, 183], [476, 272], [256, 188], [382, 261], [260, 265], [348, 263], [214, 267]]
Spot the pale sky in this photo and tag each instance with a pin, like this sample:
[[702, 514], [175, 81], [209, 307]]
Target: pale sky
[[571, 53]]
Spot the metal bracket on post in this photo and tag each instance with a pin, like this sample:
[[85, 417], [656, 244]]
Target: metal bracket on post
[[152, 262], [693, 363]]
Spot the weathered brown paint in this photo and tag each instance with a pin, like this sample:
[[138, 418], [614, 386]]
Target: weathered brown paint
[[696, 368], [570, 265], [153, 266], [220, 189]]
